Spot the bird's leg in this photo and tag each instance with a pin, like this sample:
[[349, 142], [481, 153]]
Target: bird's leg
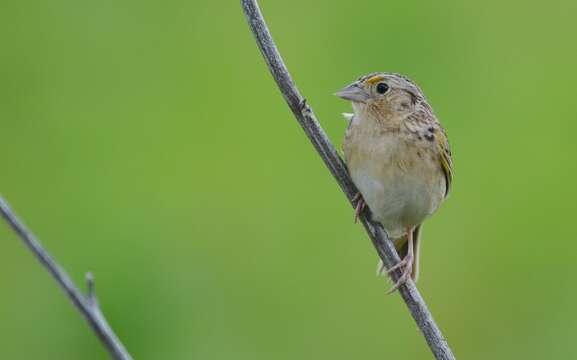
[[360, 206], [406, 264]]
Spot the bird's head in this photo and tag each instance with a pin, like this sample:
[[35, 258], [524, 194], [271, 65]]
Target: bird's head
[[385, 95]]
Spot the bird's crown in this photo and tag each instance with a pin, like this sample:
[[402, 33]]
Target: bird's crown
[[393, 80]]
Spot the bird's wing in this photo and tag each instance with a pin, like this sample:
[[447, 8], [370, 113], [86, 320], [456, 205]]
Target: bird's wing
[[423, 122], [445, 158]]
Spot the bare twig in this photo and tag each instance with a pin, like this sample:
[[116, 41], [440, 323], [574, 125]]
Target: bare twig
[[87, 305], [326, 150]]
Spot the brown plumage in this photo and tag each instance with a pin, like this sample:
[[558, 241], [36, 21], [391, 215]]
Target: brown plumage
[[398, 156]]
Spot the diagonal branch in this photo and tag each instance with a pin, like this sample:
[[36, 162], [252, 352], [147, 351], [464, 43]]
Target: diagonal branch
[[87, 305], [306, 118]]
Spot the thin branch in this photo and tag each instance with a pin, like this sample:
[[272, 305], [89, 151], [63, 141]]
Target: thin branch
[[306, 118], [87, 305]]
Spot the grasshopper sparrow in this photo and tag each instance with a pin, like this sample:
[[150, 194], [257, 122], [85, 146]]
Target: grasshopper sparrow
[[398, 156]]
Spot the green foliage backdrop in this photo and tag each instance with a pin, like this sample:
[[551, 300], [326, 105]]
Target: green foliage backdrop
[[146, 142]]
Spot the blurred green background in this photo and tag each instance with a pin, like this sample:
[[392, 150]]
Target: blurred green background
[[146, 142]]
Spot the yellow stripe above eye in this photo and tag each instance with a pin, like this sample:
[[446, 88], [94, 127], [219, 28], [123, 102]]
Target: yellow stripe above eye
[[375, 79]]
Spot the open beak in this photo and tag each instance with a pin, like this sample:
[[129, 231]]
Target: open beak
[[353, 93]]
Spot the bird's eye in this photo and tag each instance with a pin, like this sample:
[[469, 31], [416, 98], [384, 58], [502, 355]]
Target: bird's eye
[[382, 88]]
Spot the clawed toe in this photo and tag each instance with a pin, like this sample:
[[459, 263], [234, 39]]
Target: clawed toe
[[407, 265], [400, 264], [359, 207]]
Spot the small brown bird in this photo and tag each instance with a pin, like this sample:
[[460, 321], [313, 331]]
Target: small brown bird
[[398, 156]]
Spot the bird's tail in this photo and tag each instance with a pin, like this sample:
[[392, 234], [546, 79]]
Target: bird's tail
[[402, 246]]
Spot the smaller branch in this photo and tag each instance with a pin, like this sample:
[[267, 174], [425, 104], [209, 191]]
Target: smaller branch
[[87, 305], [91, 293]]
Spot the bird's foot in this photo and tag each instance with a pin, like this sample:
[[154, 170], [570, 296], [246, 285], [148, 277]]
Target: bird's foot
[[360, 206], [406, 265]]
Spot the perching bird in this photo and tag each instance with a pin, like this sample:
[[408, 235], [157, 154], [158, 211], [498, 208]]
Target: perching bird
[[398, 156]]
